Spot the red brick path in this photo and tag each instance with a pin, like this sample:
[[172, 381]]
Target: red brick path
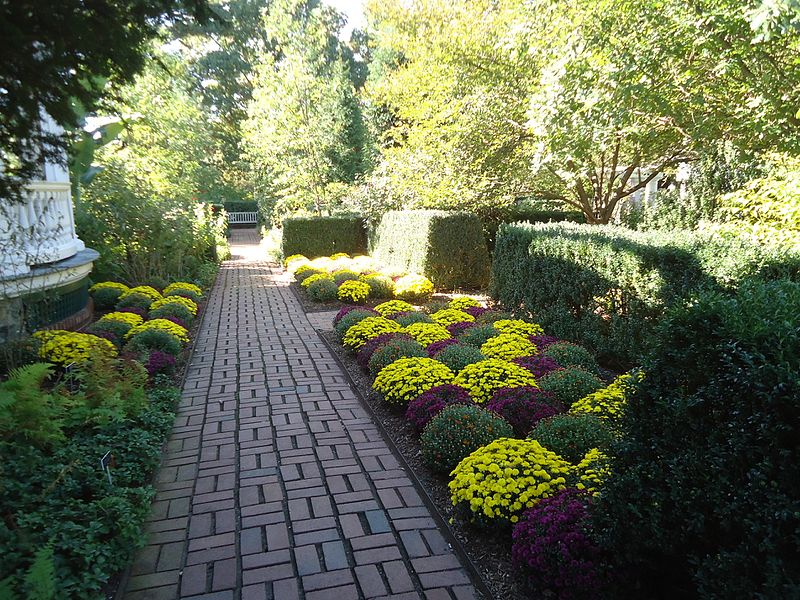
[[276, 484]]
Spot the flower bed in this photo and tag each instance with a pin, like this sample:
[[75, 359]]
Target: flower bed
[[495, 473], [106, 394]]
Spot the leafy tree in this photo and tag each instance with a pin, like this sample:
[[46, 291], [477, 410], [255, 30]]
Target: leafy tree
[[59, 54]]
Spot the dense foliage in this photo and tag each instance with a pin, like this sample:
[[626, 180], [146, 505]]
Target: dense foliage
[[323, 236]]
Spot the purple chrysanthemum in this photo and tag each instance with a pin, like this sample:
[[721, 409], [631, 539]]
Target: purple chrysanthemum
[[346, 309], [368, 349], [543, 341], [135, 310], [160, 363], [475, 311], [524, 407], [538, 364], [175, 320], [437, 347], [426, 406], [456, 329]]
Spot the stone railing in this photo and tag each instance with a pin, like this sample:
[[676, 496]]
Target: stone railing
[[39, 230]]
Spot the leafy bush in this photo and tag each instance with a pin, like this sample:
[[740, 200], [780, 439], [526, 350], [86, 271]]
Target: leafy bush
[[17, 353], [572, 436], [572, 355], [188, 304], [488, 317], [482, 490], [478, 335], [356, 292], [554, 548], [113, 331], [372, 344], [149, 340], [538, 364], [407, 378], [28, 413], [134, 301], [427, 333], [409, 318], [429, 404], [391, 351], [482, 379], [705, 498], [523, 213], [107, 293], [447, 247], [458, 356], [323, 290], [350, 318], [380, 286], [570, 385], [413, 287], [608, 287], [456, 432], [343, 275], [523, 407], [358, 334], [171, 309], [323, 236], [507, 346]]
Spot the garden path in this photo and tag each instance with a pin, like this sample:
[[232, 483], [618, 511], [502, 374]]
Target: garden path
[[276, 483]]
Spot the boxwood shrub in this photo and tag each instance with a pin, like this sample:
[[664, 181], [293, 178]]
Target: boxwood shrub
[[322, 236], [607, 287], [447, 247]]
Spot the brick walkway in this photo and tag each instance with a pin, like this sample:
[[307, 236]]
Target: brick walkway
[[276, 484]]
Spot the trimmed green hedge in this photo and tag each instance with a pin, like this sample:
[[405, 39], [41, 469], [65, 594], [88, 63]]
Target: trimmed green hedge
[[524, 214], [447, 247], [323, 236], [240, 206], [607, 287]]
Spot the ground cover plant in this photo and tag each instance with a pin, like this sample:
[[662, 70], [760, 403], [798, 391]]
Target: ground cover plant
[[68, 527]]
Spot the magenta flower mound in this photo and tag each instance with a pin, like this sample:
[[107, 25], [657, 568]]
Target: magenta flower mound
[[426, 406], [456, 329], [160, 363], [346, 309], [475, 311], [368, 349], [553, 547], [524, 407], [437, 347], [539, 364], [543, 341], [107, 335], [177, 321], [135, 310]]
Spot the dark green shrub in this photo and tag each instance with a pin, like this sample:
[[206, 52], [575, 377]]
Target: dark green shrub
[[146, 341], [105, 298], [490, 316], [173, 309], [323, 290], [571, 355], [240, 206], [458, 356], [135, 300], [570, 385], [190, 294], [380, 286], [393, 350], [477, 336], [457, 431], [306, 271], [705, 497], [572, 436], [409, 318], [322, 236], [339, 277], [520, 213], [350, 319], [18, 353], [607, 287], [447, 247], [116, 328]]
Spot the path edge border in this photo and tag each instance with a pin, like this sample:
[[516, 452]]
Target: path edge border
[[451, 538]]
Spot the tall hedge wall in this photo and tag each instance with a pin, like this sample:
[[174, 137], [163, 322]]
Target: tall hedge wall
[[447, 247], [524, 214], [607, 286], [323, 236]]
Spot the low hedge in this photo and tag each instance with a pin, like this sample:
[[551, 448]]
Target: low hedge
[[607, 287], [322, 236], [523, 214], [447, 247], [240, 206]]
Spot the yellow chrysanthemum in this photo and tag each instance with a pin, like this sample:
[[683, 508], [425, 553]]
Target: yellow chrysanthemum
[[179, 332], [144, 290], [67, 347], [128, 318], [186, 302]]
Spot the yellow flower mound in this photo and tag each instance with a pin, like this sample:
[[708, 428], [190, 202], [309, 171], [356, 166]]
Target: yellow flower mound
[[518, 327], [592, 471], [413, 287], [315, 277], [305, 268], [131, 319], [501, 480], [339, 255], [366, 329], [387, 309], [179, 332], [109, 285], [290, 261], [324, 263], [508, 346], [352, 291], [183, 285], [607, 403], [67, 347], [483, 378], [427, 333], [144, 290], [462, 302], [362, 263], [186, 302], [448, 316], [406, 378]]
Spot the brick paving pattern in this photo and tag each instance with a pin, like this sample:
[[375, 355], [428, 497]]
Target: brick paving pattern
[[276, 484]]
